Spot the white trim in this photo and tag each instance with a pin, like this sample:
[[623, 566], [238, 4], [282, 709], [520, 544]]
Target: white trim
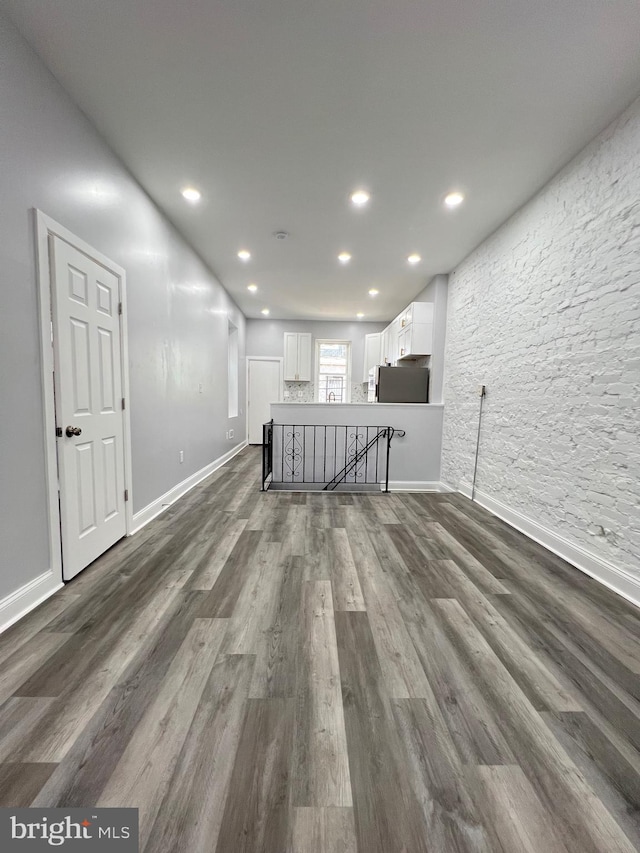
[[46, 361], [152, 510], [417, 486], [249, 358], [465, 489], [126, 415], [601, 570], [45, 226], [19, 602]]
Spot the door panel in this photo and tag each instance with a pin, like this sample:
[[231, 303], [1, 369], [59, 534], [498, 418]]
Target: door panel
[[78, 285], [105, 372], [105, 302], [80, 366], [263, 389], [85, 501], [88, 390], [110, 476]]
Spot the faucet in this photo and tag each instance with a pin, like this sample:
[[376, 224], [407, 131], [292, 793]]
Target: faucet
[[332, 397]]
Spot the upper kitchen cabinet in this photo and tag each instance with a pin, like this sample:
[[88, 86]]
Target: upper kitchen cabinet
[[390, 342], [385, 347], [417, 312], [415, 336], [297, 357], [372, 353]]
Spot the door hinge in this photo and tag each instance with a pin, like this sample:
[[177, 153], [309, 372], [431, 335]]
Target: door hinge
[[123, 404], [126, 494], [119, 307]]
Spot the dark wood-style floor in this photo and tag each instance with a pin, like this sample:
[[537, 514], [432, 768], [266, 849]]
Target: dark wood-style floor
[[329, 673]]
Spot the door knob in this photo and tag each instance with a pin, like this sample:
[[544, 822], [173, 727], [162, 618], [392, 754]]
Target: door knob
[[71, 431]]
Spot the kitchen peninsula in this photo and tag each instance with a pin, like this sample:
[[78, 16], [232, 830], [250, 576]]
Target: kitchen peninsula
[[415, 457]]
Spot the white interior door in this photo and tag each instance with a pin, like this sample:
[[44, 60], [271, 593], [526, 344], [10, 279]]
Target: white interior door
[[88, 390], [263, 388]]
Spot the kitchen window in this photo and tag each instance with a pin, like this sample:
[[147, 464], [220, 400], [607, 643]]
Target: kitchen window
[[333, 366]]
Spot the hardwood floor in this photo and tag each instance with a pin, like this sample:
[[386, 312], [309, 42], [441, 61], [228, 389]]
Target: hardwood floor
[[330, 673]]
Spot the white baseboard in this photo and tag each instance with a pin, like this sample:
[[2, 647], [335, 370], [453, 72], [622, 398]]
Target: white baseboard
[[144, 516], [418, 486], [601, 570], [465, 489], [18, 603]]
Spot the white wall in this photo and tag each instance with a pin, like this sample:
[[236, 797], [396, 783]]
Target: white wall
[[437, 292], [52, 158], [546, 313]]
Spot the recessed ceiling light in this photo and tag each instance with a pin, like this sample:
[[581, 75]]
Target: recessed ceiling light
[[244, 255], [191, 194], [373, 292], [453, 199], [360, 198], [359, 315], [344, 257], [265, 311], [414, 259], [252, 287]]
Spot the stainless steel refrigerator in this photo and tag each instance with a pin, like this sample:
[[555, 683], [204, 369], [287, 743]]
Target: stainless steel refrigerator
[[402, 385]]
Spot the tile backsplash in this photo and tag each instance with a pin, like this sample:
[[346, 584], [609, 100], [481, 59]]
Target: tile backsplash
[[299, 392], [359, 392], [304, 392]]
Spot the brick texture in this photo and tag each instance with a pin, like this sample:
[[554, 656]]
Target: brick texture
[[546, 313]]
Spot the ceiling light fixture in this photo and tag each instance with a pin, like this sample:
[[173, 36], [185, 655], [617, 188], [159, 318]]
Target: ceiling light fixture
[[453, 199], [252, 287], [265, 311], [359, 315], [244, 255], [373, 292], [414, 259], [360, 198], [191, 194], [344, 257]]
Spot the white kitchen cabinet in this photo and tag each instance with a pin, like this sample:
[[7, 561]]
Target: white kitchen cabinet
[[372, 353], [410, 335], [415, 337], [393, 349], [404, 341], [415, 340], [417, 312], [385, 351], [389, 343], [297, 357]]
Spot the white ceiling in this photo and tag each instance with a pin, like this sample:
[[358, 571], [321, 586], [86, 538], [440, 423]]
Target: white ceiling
[[277, 109]]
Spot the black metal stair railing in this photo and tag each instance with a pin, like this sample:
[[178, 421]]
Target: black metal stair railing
[[342, 475], [326, 457], [267, 454]]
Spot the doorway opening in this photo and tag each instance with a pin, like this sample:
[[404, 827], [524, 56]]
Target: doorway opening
[[264, 386]]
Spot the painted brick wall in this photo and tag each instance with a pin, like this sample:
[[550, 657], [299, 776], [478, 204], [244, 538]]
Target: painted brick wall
[[546, 313]]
